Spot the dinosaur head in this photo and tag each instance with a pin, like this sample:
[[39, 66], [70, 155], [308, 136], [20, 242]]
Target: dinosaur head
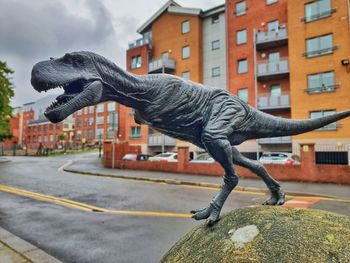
[[79, 78]]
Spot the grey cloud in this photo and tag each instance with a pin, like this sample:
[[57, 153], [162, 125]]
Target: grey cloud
[[28, 29], [31, 31]]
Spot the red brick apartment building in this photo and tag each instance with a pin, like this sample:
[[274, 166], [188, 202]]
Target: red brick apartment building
[[32, 129], [172, 42], [97, 123], [257, 56]]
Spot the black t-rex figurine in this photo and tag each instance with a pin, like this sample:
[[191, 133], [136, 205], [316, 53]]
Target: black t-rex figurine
[[210, 118]]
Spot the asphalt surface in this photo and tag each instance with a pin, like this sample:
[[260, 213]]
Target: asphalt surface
[[73, 235]]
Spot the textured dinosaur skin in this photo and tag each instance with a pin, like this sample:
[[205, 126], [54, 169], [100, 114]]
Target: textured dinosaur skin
[[210, 118]]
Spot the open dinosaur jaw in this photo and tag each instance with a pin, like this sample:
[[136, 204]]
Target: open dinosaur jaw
[[73, 99]]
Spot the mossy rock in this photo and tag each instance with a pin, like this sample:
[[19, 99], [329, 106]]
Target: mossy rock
[[270, 234]]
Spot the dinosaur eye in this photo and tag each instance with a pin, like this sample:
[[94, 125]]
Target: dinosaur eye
[[67, 56]]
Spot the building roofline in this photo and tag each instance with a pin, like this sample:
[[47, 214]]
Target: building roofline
[[214, 10], [28, 103], [184, 10], [156, 15]]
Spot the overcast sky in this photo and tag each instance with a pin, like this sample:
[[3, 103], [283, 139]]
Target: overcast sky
[[35, 30]]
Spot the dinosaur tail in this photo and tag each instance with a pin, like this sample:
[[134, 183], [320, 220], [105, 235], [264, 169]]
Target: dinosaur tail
[[266, 126]]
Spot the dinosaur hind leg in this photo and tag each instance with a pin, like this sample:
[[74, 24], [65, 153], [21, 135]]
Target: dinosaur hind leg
[[221, 151], [277, 195]]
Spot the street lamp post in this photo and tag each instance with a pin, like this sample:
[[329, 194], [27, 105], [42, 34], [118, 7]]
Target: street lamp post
[[163, 136]]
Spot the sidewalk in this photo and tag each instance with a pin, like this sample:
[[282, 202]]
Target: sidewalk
[[93, 166], [15, 250]]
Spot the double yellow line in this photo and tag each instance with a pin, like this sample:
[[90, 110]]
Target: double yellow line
[[82, 206]]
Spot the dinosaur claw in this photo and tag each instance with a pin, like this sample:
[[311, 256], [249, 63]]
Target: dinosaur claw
[[277, 198]]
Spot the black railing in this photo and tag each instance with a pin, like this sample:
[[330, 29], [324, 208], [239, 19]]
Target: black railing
[[322, 89]]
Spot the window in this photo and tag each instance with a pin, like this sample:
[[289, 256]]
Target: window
[[186, 75], [215, 19], [51, 138], [112, 120], [317, 10], [34, 139], [241, 8], [185, 52], [215, 44], [321, 82], [215, 72], [242, 66], [91, 121], [185, 27], [269, 2], [39, 138], [99, 134], [165, 55], [79, 112], [241, 37], [111, 106], [99, 120], [135, 132], [91, 109], [100, 107], [318, 114], [318, 46], [243, 94], [275, 90], [66, 126], [90, 134], [273, 25], [136, 62]]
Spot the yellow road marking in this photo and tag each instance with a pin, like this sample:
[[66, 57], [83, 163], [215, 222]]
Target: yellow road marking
[[82, 206]]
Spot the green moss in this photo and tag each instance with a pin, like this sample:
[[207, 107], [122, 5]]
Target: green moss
[[286, 235]]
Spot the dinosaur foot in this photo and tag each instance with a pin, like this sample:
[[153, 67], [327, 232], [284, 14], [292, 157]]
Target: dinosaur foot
[[211, 213], [277, 198]]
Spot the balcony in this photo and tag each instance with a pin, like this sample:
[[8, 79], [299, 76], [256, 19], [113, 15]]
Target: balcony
[[140, 42], [163, 65], [272, 69], [276, 140], [268, 102], [272, 38], [156, 140]]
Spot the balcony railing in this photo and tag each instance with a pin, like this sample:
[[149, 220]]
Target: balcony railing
[[322, 89], [271, 69], [163, 65], [140, 42], [276, 140], [269, 102], [156, 140], [317, 16], [320, 52], [271, 38]]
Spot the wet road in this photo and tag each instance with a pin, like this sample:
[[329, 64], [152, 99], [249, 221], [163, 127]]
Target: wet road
[[73, 235]]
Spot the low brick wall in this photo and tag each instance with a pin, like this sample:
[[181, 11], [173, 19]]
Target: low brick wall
[[307, 171]]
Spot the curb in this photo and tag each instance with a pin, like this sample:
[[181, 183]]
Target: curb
[[25, 249], [188, 183]]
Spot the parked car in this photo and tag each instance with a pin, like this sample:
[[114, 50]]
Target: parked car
[[135, 157], [278, 158], [164, 157], [203, 158]]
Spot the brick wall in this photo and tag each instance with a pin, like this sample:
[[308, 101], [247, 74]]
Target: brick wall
[[308, 171]]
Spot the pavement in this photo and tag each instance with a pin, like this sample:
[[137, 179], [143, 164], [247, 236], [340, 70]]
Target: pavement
[[16, 250], [93, 166]]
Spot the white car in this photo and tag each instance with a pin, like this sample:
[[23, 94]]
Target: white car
[[203, 158], [278, 158], [164, 157]]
